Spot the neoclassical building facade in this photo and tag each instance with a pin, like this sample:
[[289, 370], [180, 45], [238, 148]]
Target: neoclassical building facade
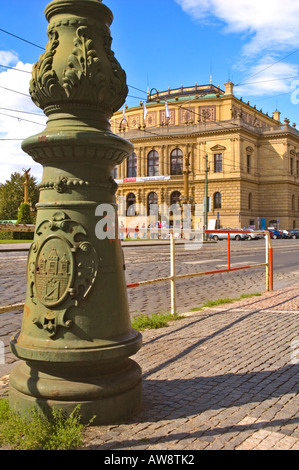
[[200, 140]]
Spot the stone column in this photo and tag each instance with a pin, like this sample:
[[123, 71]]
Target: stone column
[[76, 336]]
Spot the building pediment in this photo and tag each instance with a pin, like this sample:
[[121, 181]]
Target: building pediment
[[218, 148]]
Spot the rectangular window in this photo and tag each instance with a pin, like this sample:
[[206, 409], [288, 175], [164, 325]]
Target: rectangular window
[[132, 166], [114, 172], [218, 163], [291, 166], [248, 163], [297, 169]]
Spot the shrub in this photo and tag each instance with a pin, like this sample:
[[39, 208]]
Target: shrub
[[36, 432], [24, 216]]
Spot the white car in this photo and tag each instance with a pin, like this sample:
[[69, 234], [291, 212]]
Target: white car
[[254, 235], [224, 236]]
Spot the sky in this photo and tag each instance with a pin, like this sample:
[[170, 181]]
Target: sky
[[159, 44]]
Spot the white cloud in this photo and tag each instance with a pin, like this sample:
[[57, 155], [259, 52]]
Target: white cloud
[[267, 22], [267, 79], [8, 57], [269, 29], [15, 125]]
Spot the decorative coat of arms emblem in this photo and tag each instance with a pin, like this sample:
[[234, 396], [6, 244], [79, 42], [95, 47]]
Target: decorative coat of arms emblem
[[61, 271]]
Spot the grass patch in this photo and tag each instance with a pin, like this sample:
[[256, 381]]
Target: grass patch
[[3, 242], [36, 432], [161, 320], [153, 322], [214, 303]]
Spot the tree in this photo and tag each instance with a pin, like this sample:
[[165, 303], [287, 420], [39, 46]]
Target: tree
[[24, 216], [12, 195]]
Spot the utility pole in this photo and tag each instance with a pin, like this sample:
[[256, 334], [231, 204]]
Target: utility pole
[[26, 185], [186, 200], [207, 169], [186, 174]]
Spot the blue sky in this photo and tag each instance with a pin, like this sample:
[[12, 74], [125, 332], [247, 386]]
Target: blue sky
[[161, 44]]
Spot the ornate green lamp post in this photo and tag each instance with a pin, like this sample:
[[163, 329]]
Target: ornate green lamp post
[[76, 338]]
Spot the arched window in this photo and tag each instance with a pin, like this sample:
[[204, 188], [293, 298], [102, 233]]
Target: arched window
[[132, 166], [153, 163], [151, 200], [176, 162], [175, 197], [217, 200], [250, 201], [131, 201]]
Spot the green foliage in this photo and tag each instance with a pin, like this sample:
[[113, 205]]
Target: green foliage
[[16, 237], [36, 432], [23, 236], [12, 195], [24, 216], [6, 235], [214, 303], [153, 322], [11, 241]]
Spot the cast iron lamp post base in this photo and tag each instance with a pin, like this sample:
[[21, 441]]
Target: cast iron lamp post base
[[76, 336]]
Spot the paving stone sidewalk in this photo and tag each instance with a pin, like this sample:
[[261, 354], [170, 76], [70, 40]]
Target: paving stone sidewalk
[[223, 379], [219, 379]]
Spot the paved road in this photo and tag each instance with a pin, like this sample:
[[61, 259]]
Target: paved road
[[155, 262], [144, 263]]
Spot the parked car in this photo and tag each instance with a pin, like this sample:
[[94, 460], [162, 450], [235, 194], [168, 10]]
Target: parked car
[[253, 235], [224, 236], [275, 233], [286, 233], [294, 233]]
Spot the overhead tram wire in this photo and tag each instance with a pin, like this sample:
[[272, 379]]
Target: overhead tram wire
[[274, 80], [13, 68], [23, 112], [138, 89], [21, 119], [266, 68], [15, 91], [21, 39]]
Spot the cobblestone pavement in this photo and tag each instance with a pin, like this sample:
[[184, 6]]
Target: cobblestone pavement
[[224, 378], [154, 262]]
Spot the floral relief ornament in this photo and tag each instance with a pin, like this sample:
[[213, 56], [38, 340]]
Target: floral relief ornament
[[84, 77]]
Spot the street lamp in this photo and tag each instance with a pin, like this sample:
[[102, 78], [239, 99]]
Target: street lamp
[[76, 336]]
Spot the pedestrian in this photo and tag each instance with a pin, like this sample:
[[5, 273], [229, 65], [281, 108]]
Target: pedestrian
[[121, 231], [136, 231]]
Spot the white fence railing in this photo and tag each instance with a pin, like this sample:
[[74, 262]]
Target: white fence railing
[[173, 277]]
